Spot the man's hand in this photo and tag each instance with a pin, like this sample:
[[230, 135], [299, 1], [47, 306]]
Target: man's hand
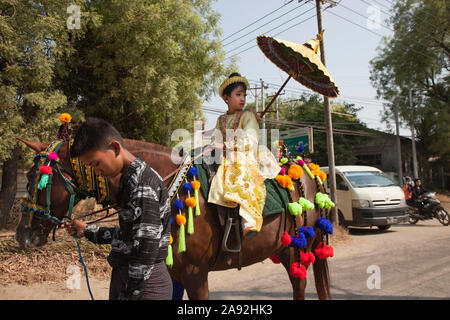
[[75, 227]]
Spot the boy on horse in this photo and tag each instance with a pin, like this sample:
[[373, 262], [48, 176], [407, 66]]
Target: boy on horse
[[139, 245], [240, 178]]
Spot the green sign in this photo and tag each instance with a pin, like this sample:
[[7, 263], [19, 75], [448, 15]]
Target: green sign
[[292, 139]]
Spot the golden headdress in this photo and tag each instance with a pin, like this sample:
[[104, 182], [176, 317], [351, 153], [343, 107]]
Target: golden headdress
[[232, 80]]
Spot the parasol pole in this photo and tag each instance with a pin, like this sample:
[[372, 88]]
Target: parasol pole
[[275, 96]]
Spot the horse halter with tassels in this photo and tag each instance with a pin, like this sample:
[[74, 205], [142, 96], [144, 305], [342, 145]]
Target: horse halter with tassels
[[83, 183]]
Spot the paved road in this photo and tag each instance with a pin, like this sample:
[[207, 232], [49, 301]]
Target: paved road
[[412, 261]]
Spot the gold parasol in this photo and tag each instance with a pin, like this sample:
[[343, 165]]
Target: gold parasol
[[301, 62]]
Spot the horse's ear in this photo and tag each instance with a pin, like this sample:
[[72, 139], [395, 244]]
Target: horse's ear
[[35, 145]]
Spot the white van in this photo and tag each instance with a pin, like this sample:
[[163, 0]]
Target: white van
[[366, 197]]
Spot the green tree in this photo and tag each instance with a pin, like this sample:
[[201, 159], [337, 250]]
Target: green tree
[[145, 66], [29, 103], [417, 57], [308, 110]]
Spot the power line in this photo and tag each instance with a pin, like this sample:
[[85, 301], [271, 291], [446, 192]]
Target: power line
[[283, 15], [256, 21], [267, 32]]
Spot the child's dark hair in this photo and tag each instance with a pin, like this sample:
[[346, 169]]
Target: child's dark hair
[[227, 91], [94, 134]]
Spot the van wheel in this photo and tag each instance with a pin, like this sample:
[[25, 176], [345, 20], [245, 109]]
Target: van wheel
[[341, 220], [385, 227]]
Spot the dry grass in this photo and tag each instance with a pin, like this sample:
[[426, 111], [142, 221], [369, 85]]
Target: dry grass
[[49, 263]]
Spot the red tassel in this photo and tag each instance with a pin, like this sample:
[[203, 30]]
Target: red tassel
[[297, 271], [286, 239], [275, 259], [323, 251], [307, 258]]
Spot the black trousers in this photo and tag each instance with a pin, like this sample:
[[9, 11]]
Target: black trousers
[[157, 287]]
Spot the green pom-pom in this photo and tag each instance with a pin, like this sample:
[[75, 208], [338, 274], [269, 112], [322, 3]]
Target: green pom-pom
[[295, 208], [284, 160], [306, 204], [328, 203], [169, 258], [190, 223], [182, 240], [43, 182], [320, 199]]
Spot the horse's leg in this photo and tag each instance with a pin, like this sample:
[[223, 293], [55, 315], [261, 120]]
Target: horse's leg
[[298, 285], [195, 282]]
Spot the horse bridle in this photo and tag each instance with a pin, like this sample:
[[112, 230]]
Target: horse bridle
[[83, 183]]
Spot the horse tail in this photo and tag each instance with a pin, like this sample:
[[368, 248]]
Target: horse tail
[[322, 279]]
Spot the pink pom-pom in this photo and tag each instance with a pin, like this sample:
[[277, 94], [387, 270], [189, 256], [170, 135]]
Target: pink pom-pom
[[53, 156], [297, 271], [307, 258], [275, 259], [283, 171], [301, 162], [286, 239]]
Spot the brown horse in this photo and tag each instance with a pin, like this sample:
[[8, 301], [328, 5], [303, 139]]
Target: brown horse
[[191, 267]]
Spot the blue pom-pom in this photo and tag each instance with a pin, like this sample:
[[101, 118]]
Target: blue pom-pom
[[171, 220], [187, 187], [325, 225], [192, 172], [307, 231], [298, 241], [300, 149], [178, 204]]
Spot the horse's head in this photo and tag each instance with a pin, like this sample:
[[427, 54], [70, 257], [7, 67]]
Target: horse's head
[[42, 208]]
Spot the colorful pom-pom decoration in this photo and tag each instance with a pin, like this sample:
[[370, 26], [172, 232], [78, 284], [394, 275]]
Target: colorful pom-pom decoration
[[193, 172], [297, 270], [181, 221], [190, 202], [178, 204], [307, 258], [300, 149], [295, 208], [53, 156], [275, 259], [65, 118], [45, 169], [284, 181], [286, 239], [295, 172], [169, 258], [307, 231], [323, 251], [298, 241], [306, 204], [325, 225], [187, 187]]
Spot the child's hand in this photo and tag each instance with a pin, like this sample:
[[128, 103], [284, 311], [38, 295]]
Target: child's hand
[[75, 227]]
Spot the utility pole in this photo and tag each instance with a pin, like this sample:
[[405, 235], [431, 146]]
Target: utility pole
[[399, 148], [413, 138], [328, 120], [263, 126]]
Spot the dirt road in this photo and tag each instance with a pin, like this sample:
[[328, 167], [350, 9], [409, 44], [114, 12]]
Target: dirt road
[[412, 262]]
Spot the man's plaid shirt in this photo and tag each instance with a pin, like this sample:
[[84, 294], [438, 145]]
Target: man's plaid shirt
[[144, 220]]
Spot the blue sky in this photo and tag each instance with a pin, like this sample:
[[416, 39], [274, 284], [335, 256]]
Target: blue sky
[[349, 47]]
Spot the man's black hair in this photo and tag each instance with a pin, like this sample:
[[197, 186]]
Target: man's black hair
[[94, 134]]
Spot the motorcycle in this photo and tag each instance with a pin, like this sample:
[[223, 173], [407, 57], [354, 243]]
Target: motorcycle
[[429, 208]]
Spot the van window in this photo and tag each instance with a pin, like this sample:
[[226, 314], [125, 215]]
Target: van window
[[340, 183], [362, 179]]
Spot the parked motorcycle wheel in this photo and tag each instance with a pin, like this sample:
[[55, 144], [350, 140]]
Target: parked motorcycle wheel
[[442, 215], [413, 218]]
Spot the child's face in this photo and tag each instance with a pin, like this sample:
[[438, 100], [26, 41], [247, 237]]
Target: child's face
[[106, 163], [236, 100]]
